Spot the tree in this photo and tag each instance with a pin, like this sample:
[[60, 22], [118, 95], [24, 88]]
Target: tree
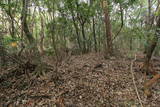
[[2, 51], [36, 58], [25, 27], [150, 50], [109, 45], [93, 27]]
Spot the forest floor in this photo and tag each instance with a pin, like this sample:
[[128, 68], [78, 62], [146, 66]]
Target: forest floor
[[81, 81]]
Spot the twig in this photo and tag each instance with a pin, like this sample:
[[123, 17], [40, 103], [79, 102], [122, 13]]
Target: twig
[[133, 78], [11, 69]]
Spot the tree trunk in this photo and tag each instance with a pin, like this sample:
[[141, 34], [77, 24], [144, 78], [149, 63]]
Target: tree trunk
[[94, 30], [84, 39], [108, 29], [77, 30], [149, 12], [2, 51], [148, 24], [131, 43], [42, 37], [24, 23], [9, 13], [151, 48], [149, 53], [94, 35], [35, 57]]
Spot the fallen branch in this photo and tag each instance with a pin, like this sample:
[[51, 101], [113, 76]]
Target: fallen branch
[[133, 78]]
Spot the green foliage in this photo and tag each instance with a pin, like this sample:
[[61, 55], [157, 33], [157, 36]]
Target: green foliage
[[61, 17], [8, 39]]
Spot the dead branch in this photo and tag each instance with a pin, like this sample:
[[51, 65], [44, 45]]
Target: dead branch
[[133, 78]]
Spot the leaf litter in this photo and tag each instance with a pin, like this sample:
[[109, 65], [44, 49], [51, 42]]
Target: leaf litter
[[81, 81]]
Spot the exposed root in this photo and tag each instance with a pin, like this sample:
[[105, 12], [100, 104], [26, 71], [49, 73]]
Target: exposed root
[[149, 83]]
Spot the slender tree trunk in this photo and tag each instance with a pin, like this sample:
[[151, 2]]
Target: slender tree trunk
[[35, 57], [25, 24], [77, 30], [42, 37], [149, 51], [55, 45], [94, 30], [149, 12], [148, 24], [76, 27], [99, 39], [82, 22], [94, 35], [131, 42], [122, 22], [2, 51], [53, 36], [146, 67], [151, 48], [9, 12], [84, 39], [108, 29]]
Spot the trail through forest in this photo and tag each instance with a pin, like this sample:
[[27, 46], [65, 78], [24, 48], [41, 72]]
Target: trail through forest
[[86, 80]]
